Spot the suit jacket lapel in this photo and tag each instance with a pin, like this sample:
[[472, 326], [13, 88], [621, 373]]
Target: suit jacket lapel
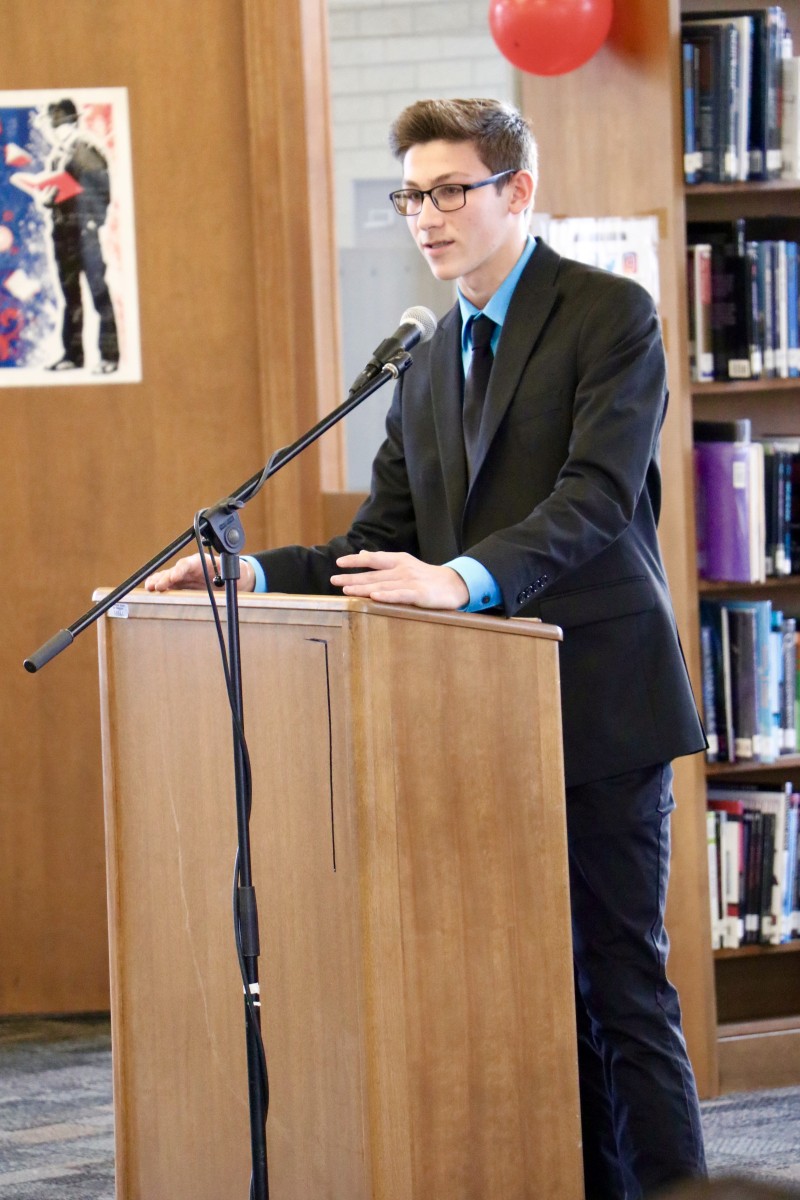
[[530, 306], [447, 381]]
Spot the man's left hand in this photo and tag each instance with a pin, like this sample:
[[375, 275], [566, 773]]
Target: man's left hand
[[401, 579]]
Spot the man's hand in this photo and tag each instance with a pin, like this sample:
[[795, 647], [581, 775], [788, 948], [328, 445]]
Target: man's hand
[[401, 579], [188, 573]]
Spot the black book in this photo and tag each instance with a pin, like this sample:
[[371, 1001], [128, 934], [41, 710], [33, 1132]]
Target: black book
[[735, 430], [744, 682], [764, 135], [768, 879], [714, 617], [731, 286]]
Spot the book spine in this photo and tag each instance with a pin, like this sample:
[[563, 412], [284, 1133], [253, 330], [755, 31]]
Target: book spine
[[730, 102], [713, 880], [704, 342], [788, 686], [731, 344], [755, 312], [744, 686], [790, 118], [791, 866], [692, 157], [792, 333], [767, 290], [709, 697], [776, 27], [782, 312]]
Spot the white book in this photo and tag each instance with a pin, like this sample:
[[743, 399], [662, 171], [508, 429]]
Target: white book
[[790, 118], [776, 803], [713, 881]]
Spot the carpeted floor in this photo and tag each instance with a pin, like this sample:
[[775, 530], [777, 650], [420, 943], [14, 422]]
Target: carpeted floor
[[56, 1117]]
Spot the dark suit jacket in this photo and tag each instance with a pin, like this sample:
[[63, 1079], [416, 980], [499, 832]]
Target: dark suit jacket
[[563, 506]]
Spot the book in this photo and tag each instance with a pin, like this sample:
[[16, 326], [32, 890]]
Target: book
[[767, 866], [729, 509], [715, 900], [717, 688], [700, 290], [754, 304], [744, 683], [717, 146], [762, 92], [792, 328], [708, 680], [788, 686], [731, 286], [66, 185], [790, 118], [738, 429], [730, 816], [790, 869], [692, 156], [759, 615]]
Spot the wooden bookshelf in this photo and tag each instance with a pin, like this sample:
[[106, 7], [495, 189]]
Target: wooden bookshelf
[[611, 142]]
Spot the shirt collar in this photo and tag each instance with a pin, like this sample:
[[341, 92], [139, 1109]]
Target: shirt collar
[[497, 305]]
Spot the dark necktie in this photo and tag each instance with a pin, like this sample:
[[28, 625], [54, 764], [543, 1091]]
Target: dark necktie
[[476, 385]]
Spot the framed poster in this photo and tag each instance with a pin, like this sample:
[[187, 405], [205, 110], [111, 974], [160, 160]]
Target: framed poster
[[68, 288]]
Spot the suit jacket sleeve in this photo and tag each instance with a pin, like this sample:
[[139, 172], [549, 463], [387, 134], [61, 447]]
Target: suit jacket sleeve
[[384, 522]]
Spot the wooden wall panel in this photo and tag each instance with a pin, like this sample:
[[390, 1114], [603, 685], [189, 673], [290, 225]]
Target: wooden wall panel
[[103, 476], [610, 145]]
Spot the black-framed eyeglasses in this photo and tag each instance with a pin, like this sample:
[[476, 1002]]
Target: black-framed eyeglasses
[[446, 196]]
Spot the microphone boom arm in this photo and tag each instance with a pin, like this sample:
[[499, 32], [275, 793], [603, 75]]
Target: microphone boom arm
[[245, 492]]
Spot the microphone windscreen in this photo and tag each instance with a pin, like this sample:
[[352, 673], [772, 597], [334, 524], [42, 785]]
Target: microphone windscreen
[[424, 318]]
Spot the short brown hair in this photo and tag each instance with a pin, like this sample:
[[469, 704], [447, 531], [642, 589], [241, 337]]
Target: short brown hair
[[500, 134]]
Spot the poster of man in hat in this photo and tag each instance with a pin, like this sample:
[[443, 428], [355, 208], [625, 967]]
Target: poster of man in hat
[[68, 294]]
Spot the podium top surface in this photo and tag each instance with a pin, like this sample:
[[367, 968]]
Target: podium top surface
[[266, 605]]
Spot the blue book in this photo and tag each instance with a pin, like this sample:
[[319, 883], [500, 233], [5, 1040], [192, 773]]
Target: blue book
[[692, 156], [790, 874]]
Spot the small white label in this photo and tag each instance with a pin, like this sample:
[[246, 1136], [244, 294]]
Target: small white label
[[740, 475], [118, 610]]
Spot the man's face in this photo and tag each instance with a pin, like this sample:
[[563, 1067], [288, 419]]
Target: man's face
[[57, 133], [477, 244]]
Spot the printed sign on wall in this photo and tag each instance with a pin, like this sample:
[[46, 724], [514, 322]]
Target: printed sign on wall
[[68, 292]]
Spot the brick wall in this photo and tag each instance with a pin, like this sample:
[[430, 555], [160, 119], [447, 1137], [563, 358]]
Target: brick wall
[[385, 55]]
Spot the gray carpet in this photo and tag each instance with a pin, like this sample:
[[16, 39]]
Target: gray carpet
[[56, 1119]]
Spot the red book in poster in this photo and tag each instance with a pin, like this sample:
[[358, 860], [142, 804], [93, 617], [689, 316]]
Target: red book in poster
[[66, 184]]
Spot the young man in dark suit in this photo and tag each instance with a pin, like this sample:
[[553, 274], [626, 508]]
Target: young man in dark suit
[[538, 492]]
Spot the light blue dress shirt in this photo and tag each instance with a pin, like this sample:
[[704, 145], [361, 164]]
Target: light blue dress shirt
[[484, 591]]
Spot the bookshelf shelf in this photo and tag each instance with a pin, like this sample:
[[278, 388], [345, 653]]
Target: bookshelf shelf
[[787, 762], [759, 951], [728, 386], [743, 189], [634, 87], [727, 201], [775, 584]]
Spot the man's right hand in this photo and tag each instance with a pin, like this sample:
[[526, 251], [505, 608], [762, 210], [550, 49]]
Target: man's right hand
[[188, 573]]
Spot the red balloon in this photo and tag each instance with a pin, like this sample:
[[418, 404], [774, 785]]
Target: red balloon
[[549, 37]]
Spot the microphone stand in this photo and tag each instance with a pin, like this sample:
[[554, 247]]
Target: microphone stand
[[221, 528]]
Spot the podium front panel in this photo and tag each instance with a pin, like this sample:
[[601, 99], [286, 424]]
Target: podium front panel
[[409, 858]]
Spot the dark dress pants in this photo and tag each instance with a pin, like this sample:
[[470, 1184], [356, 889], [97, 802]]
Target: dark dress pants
[[639, 1108], [78, 251]]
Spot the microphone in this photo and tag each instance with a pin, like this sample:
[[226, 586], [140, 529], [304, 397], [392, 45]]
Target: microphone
[[417, 324]]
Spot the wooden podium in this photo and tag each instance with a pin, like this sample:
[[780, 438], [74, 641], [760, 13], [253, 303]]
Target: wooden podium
[[409, 856]]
